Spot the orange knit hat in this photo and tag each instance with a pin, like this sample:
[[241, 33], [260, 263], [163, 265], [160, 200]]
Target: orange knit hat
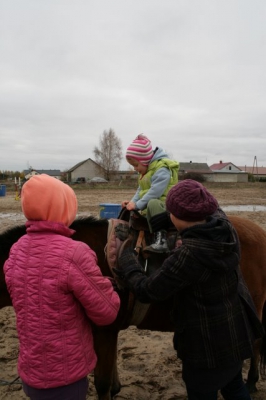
[[44, 198]]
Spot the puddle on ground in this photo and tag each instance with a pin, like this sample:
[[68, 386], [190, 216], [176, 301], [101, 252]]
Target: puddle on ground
[[252, 208], [12, 216], [21, 217]]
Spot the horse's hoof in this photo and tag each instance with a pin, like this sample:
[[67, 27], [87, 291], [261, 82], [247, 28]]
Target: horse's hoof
[[251, 387], [115, 391]]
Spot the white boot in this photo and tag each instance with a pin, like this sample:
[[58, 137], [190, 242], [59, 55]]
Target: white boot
[[160, 243]]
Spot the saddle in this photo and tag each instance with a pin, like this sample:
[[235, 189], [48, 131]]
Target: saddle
[[131, 229], [133, 226]]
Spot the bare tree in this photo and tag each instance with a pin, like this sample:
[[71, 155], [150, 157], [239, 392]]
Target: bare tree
[[109, 154]]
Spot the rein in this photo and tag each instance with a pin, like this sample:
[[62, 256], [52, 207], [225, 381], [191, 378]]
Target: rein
[[15, 381]]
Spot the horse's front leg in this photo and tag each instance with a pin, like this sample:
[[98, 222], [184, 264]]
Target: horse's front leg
[[106, 379]]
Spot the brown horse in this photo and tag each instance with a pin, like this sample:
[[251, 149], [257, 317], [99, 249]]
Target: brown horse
[[94, 232]]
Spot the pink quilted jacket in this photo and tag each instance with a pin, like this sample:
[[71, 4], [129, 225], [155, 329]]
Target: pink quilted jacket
[[57, 289]]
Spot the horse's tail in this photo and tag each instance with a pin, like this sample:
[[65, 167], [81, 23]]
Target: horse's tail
[[263, 345]]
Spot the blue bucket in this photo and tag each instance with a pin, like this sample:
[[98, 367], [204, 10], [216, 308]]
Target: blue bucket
[[109, 210], [2, 190]]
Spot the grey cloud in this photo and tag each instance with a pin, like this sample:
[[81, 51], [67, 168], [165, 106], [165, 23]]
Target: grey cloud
[[190, 75]]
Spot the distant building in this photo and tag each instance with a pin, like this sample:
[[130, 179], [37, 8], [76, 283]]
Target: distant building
[[129, 175], [227, 172], [28, 173], [225, 167], [258, 172], [86, 169], [187, 167]]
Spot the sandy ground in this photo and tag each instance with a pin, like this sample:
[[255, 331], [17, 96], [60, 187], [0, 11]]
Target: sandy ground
[[146, 360]]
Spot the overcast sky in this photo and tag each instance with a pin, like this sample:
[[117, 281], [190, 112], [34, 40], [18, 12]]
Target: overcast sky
[[190, 74]]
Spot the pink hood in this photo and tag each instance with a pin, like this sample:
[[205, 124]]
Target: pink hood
[[44, 198]]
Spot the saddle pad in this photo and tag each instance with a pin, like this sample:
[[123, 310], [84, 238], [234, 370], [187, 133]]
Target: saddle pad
[[113, 242], [113, 245]]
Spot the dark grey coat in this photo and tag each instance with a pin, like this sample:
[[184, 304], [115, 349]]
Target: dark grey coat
[[213, 313]]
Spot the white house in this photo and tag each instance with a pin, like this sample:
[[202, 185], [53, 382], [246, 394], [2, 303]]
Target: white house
[[87, 169], [227, 172], [225, 167]]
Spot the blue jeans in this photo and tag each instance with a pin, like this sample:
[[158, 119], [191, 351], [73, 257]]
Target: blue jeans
[[234, 390]]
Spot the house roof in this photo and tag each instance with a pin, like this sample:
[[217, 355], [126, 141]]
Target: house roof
[[194, 167], [50, 172], [254, 170], [80, 163], [222, 165]]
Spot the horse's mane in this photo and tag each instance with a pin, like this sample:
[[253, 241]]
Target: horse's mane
[[90, 220], [10, 236]]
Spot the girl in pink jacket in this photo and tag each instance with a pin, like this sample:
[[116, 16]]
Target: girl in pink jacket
[[57, 289]]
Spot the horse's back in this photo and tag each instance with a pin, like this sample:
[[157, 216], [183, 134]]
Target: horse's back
[[248, 231], [253, 257]]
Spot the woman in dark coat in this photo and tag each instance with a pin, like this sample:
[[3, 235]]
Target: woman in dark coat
[[215, 319]]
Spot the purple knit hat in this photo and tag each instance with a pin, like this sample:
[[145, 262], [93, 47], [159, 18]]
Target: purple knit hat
[[141, 150], [189, 200]]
